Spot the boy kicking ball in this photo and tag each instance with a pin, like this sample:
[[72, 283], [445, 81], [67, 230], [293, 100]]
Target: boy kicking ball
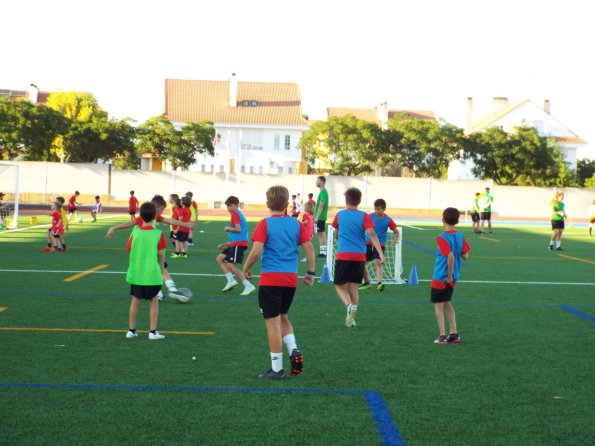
[[452, 247]]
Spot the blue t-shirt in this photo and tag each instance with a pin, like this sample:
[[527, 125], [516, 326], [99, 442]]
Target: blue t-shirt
[[448, 241], [381, 226], [352, 225], [238, 238]]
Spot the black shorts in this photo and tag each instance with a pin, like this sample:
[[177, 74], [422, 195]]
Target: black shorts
[[173, 235], [234, 254], [444, 295], [73, 210], [475, 216], [182, 236], [486, 216], [55, 233], [372, 254], [320, 225], [275, 300], [557, 224], [348, 271], [132, 212], [144, 292]]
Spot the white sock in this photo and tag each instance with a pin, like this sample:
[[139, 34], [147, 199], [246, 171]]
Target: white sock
[[558, 243], [290, 342], [277, 361], [229, 277], [171, 285], [246, 283], [551, 243], [323, 249]]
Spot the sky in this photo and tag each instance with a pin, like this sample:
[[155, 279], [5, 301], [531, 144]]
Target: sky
[[421, 55]]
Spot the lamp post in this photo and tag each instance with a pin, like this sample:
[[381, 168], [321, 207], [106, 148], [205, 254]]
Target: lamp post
[[34, 94]]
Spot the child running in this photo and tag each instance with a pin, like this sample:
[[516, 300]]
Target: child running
[[146, 271], [96, 208], [61, 200], [452, 247], [351, 226], [233, 251], [382, 223], [275, 243], [73, 206]]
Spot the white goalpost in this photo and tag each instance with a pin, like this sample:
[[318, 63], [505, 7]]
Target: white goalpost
[[9, 185], [392, 268]]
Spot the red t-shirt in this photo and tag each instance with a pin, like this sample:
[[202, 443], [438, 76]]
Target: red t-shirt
[[184, 215], [72, 202], [160, 246], [57, 223], [308, 222], [132, 204]]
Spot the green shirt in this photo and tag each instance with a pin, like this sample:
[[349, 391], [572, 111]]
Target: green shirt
[[557, 207], [485, 202], [144, 268], [322, 196], [475, 207]]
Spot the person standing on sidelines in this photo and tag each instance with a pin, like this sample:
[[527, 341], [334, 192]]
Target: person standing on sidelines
[[558, 217], [132, 206], [475, 214], [321, 214], [485, 207], [193, 216], [591, 219], [96, 208], [275, 243]]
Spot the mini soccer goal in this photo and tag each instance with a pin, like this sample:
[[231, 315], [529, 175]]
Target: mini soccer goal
[[9, 203], [392, 268]]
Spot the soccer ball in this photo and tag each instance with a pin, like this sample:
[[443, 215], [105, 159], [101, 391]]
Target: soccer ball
[[183, 295]]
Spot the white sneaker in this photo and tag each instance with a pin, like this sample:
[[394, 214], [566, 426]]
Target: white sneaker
[[351, 312], [131, 335], [160, 296], [248, 290], [155, 336], [230, 286], [304, 260]]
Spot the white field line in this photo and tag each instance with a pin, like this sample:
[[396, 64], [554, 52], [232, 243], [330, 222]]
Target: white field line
[[48, 225], [479, 282]]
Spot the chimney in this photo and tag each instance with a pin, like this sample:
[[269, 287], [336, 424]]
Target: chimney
[[469, 114], [546, 106], [499, 104], [383, 113], [233, 90]]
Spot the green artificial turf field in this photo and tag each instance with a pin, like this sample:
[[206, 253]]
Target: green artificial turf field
[[522, 375]]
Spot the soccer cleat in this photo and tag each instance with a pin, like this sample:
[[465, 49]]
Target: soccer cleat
[[160, 296], [551, 247], [248, 290], [179, 297], [441, 340], [352, 325], [230, 286], [64, 249], [155, 336], [47, 249], [131, 334], [351, 312], [273, 375], [175, 255], [453, 337], [559, 248], [380, 288], [297, 362], [365, 286]]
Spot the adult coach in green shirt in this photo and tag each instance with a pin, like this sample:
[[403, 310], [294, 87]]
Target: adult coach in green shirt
[[320, 214], [485, 206]]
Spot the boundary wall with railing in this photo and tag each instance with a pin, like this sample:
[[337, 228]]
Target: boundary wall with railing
[[40, 182]]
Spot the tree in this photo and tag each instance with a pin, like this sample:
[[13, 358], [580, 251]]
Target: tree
[[426, 147], [521, 157], [348, 144], [178, 147], [27, 130], [585, 169]]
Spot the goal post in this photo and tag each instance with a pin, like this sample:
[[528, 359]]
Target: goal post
[[392, 268], [9, 185]]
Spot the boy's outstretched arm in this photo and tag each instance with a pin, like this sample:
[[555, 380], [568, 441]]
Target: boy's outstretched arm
[[128, 224], [372, 234], [172, 222], [252, 259]]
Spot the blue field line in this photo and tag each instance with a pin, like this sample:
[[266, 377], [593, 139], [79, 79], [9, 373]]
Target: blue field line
[[385, 424], [578, 313], [415, 245]]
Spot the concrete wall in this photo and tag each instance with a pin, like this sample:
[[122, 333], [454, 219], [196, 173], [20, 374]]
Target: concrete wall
[[39, 179]]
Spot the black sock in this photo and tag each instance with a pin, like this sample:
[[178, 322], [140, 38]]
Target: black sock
[[133, 330], [153, 331], [49, 245]]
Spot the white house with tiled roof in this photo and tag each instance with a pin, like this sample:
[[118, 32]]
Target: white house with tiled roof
[[379, 115], [524, 113], [259, 124]]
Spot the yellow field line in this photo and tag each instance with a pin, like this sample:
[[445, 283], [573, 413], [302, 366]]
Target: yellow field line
[[3, 309], [84, 273], [90, 330], [490, 239], [577, 259]]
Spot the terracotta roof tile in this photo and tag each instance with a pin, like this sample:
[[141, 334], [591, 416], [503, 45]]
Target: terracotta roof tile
[[195, 100]]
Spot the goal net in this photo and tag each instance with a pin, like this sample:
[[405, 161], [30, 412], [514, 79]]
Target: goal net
[[392, 268], [9, 203]]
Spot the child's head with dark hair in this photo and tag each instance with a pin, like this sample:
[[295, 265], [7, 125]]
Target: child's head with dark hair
[[77, 193], [293, 197], [232, 200], [450, 216], [60, 200], [186, 201], [57, 205], [159, 201], [310, 196], [176, 202], [380, 203], [148, 212], [131, 192], [277, 198], [189, 194], [353, 196], [309, 207], [477, 194], [97, 197]]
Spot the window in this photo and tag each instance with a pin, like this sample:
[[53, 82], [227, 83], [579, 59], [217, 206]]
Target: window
[[221, 168], [287, 142], [243, 169], [277, 144], [203, 168], [280, 170], [260, 170], [290, 170], [245, 103], [246, 146], [251, 169]]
